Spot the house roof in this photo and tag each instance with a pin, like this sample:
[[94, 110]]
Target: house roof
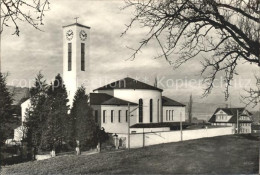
[[229, 111], [170, 102], [105, 99], [128, 83]]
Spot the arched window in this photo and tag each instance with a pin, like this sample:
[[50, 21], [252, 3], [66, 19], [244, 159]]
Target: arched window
[[140, 110], [169, 114], [151, 110]]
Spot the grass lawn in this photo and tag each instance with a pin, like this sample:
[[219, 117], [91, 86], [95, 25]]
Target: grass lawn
[[219, 155]]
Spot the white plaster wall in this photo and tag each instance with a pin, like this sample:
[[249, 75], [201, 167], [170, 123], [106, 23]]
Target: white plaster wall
[[24, 106], [19, 133], [145, 94], [116, 126], [75, 78], [147, 139], [178, 113], [134, 96]]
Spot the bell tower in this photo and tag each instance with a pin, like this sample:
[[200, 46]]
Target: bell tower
[[75, 57]]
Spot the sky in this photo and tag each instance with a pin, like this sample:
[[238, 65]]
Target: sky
[[33, 51]]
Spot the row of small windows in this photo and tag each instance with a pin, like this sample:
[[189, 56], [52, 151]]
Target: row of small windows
[[222, 117], [244, 117], [245, 124], [244, 130], [169, 115], [82, 56], [112, 116], [120, 115]]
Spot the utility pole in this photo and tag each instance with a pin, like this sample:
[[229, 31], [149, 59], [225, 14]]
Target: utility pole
[[128, 121], [190, 109], [143, 138], [0, 34], [237, 122], [181, 125]]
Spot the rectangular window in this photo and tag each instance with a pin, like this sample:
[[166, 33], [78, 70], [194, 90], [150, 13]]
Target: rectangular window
[[104, 116], [119, 116], [166, 115], [83, 56], [172, 115], [96, 116], [69, 56], [112, 116], [126, 115]]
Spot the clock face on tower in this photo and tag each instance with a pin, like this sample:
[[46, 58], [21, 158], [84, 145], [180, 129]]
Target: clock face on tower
[[69, 35], [83, 35]]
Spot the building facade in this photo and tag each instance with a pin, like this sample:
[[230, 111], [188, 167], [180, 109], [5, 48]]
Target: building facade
[[146, 103], [239, 118], [111, 103]]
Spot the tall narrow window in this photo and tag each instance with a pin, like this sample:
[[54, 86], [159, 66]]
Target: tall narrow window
[[83, 56], [140, 110], [169, 114], [172, 115], [166, 115], [104, 116], [119, 116], [126, 115], [151, 110], [69, 56], [96, 116], [112, 116]]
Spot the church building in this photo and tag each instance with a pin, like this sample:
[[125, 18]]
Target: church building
[[121, 104]]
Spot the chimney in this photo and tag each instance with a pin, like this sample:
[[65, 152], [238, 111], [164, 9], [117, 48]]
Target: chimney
[[226, 105]]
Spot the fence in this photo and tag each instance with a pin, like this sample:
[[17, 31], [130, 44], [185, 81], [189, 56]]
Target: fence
[[138, 140]]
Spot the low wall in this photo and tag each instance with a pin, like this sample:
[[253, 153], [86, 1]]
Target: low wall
[[42, 157], [146, 139]]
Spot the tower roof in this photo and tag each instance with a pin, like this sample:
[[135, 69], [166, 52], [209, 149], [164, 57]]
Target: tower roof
[[77, 24], [128, 83]]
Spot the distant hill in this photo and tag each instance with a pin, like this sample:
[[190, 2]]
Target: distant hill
[[18, 93]]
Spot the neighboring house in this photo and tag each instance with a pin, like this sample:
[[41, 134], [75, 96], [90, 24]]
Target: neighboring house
[[147, 105], [232, 117], [255, 129]]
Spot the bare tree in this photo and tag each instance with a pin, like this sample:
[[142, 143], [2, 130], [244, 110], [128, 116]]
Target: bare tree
[[15, 11], [227, 30], [252, 95]]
